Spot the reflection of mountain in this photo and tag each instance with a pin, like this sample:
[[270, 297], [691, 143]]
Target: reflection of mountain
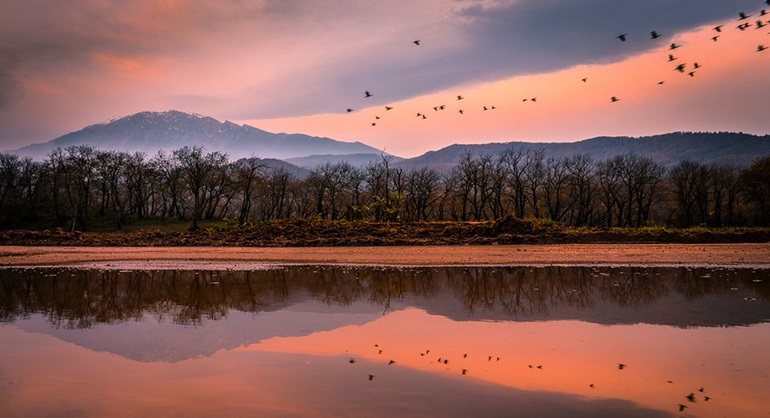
[[153, 339], [176, 315]]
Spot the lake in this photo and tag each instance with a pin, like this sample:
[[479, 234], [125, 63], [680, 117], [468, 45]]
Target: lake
[[547, 341]]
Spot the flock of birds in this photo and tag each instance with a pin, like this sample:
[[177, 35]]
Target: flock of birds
[[443, 361], [683, 68]]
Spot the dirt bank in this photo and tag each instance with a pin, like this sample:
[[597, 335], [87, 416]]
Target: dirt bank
[[233, 257]]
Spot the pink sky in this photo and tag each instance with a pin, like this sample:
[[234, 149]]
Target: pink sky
[[296, 67]]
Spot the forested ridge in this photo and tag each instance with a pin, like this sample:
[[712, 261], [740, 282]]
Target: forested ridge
[[80, 188]]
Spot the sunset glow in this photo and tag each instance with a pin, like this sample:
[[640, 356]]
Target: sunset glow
[[297, 68]]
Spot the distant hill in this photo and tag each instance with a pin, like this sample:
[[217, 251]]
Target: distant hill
[[667, 149], [150, 131], [360, 160]]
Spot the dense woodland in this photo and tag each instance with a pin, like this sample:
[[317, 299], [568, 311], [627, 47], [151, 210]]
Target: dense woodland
[[82, 188]]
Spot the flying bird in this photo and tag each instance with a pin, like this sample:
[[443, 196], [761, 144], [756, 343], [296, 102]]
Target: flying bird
[[761, 48], [715, 38], [388, 108], [671, 58], [349, 110], [461, 111], [682, 407], [621, 366], [680, 68], [696, 65], [691, 397], [417, 42], [743, 16], [674, 46], [718, 28], [614, 99], [760, 24], [460, 97], [584, 79], [367, 94], [622, 37], [654, 35]]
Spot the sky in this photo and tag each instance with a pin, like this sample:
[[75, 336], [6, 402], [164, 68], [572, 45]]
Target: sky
[[297, 66]]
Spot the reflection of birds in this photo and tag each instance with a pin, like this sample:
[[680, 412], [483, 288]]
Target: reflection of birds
[[654, 35], [622, 37]]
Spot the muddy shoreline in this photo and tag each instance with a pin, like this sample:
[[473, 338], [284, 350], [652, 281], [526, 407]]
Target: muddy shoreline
[[745, 254]]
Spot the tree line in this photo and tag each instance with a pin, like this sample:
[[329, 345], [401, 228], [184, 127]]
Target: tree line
[[82, 188]]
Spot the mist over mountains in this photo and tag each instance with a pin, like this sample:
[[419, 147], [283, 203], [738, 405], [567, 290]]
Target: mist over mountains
[[149, 132]]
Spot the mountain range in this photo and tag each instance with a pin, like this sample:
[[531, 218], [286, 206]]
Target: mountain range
[[149, 132]]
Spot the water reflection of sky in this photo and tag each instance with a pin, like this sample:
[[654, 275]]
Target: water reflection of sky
[[343, 341]]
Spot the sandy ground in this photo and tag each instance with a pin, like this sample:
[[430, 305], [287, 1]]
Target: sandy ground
[[240, 257]]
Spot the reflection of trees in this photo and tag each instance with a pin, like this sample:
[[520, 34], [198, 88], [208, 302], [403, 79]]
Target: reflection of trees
[[82, 298]]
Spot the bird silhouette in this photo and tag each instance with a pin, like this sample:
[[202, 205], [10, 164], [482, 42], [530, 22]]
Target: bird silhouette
[[696, 65], [349, 110], [614, 99], [671, 58], [691, 397], [584, 79], [371, 377], [691, 73], [367, 94], [715, 38], [761, 48], [674, 46], [718, 28], [374, 123], [680, 68], [682, 407], [465, 371], [388, 108], [391, 362], [743, 16], [621, 366], [460, 97], [622, 37], [461, 112], [763, 12], [654, 35], [416, 42], [661, 82], [760, 24]]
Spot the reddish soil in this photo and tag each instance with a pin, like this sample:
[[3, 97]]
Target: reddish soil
[[242, 257]]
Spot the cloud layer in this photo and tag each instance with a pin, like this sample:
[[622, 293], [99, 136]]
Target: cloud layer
[[67, 64]]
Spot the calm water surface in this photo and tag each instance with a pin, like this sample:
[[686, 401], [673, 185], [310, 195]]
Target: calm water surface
[[366, 341]]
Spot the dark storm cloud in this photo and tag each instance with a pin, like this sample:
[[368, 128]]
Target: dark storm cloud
[[495, 40]]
